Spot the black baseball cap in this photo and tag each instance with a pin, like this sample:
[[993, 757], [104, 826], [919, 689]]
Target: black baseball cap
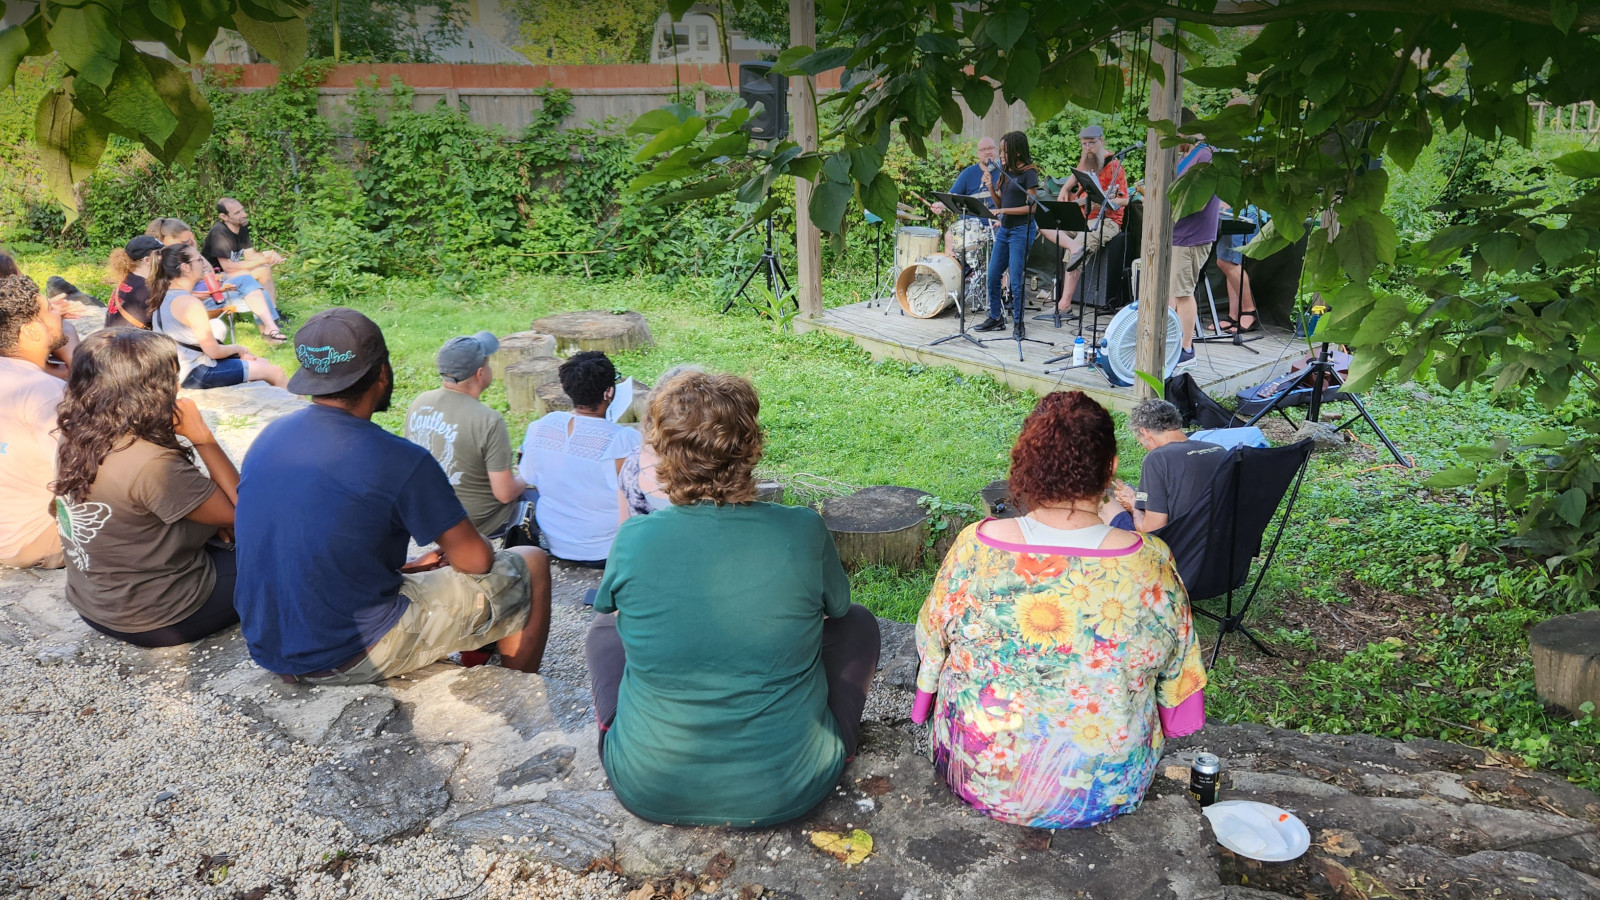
[[141, 246], [335, 348]]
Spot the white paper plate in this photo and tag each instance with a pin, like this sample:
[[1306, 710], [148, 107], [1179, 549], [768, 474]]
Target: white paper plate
[[1258, 830]]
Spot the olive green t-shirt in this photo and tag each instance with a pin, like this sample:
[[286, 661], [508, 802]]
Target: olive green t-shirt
[[722, 713], [134, 563], [469, 440]]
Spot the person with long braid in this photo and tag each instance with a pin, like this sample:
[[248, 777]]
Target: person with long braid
[[1013, 190]]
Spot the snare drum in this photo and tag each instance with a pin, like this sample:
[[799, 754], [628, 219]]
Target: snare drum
[[911, 243], [970, 235]]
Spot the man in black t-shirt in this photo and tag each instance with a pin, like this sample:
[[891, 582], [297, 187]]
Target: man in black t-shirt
[[1175, 473], [228, 249]]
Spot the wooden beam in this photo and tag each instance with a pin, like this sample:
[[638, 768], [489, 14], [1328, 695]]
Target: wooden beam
[[803, 113], [1166, 100]]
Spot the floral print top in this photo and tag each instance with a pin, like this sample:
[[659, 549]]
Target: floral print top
[[1048, 664]]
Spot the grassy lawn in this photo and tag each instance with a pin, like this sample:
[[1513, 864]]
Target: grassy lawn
[[1392, 609]]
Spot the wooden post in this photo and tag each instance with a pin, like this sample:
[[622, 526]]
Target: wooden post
[[1165, 102], [803, 113]]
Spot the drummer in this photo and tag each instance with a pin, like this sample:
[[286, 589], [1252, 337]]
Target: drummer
[[970, 182]]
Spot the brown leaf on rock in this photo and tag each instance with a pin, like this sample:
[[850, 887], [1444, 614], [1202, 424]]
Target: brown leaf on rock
[[720, 866], [1338, 842], [751, 892], [875, 786], [602, 864], [1035, 840], [646, 891]]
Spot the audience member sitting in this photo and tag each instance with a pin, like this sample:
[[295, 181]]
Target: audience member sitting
[[467, 438], [29, 393], [131, 268], [229, 251], [572, 460], [204, 363], [327, 506], [730, 683], [170, 231], [1175, 474], [8, 266], [138, 519], [639, 493], [1055, 649]]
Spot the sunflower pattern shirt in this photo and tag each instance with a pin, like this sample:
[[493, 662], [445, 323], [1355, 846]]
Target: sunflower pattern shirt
[[1048, 664]]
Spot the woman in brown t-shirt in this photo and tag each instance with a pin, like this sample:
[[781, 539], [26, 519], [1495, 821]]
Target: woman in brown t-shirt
[[137, 517]]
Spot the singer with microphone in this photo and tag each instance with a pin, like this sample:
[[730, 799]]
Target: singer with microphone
[[1013, 187], [1113, 181]]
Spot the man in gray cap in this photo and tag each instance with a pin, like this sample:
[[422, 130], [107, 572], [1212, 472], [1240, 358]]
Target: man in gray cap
[[469, 439], [1113, 182]]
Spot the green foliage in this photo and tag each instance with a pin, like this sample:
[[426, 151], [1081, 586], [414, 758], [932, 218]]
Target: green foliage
[[106, 86], [586, 32], [384, 31], [778, 308]]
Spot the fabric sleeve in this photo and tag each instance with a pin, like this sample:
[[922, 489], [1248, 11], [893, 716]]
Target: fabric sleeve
[[1119, 181], [1184, 675], [1153, 475], [835, 583], [618, 562], [626, 440], [170, 487], [1184, 719], [963, 183], [427, 504], [497, 447], [933, 644]]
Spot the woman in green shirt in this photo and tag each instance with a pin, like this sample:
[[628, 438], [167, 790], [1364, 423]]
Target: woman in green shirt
[[730, 682]]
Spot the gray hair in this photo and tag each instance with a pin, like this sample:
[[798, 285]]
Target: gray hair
[[668, 375], [1155, 416]]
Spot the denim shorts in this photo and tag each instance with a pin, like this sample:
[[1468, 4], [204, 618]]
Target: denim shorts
[[224, 373]]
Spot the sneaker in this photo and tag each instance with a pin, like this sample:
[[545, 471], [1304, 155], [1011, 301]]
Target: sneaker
[[1185, 358], [990, 324]]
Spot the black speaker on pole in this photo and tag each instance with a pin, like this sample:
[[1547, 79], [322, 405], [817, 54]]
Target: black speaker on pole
[[759, 84]]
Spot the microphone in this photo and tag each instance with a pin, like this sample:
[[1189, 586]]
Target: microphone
[[1126, 152]]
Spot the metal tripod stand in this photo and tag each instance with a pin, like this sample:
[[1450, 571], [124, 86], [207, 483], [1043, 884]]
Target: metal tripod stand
[[769, 266], [1320, 375]]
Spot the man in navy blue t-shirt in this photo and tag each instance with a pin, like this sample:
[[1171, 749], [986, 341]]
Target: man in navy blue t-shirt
[[970, 182], [328, 502]]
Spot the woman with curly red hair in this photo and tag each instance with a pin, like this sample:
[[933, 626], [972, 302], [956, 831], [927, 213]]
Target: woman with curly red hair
[[730, 682], [1056, 650]]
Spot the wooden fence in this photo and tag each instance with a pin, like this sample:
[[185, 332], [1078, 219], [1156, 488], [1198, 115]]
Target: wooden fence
[[1575, 118], [509, 95]]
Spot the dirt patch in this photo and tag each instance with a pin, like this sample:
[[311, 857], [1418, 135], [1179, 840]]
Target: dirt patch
[[1371, 616]]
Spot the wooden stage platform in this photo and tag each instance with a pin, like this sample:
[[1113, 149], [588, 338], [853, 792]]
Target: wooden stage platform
[[1220, 368]]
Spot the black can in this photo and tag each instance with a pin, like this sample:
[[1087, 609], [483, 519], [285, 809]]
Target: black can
[[1203, 778]]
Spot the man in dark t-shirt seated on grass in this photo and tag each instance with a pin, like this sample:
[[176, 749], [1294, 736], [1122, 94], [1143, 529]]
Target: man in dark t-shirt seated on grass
[[229, 250], [1175, 473], [327, 504]]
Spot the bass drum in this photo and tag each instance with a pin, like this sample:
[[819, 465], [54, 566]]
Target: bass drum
[[911, 243], [928, 285]]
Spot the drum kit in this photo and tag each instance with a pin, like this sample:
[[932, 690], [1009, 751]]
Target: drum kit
[[927, 280]]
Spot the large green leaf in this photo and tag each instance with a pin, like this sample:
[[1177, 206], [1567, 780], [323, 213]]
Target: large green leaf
[[1557, 245], [1363, 242], [182, 96], [1022, 72], [1449, 478], [1379, 323], [14, 43], [719, 185], [1570, 505], [69, 145], [131, 103], [1580, 164], [828, 204], [880, 196], [283, 42], [1004, 28], [1499, 251], [824, 60], [88, 42], [979, 95]]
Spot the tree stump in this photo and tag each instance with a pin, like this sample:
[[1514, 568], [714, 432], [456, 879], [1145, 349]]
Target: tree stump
[[596, 329], [878, 526], [525, 377], [549, 398], [1566, 659], [998, 502], [520, 346], [769, 491], [636, 409]]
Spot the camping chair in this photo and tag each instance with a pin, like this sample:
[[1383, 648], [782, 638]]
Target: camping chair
[[1214, 541]]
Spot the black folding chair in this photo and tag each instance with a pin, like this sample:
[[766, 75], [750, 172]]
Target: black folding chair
[[1214, 541]]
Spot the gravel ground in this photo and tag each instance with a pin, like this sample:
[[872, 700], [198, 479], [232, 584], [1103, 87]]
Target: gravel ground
[[120, 787]]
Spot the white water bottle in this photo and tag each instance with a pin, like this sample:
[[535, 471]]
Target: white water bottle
[[1079, 351]]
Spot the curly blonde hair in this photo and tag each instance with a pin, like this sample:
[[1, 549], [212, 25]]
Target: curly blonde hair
[[705, 430]]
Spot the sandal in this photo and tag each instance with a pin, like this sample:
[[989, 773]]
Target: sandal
[[275, 338], [1237, 327]]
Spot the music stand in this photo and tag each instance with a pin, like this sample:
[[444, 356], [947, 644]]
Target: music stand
[[973, 207]]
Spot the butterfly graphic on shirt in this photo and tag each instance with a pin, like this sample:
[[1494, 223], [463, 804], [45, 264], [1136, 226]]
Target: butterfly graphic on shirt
[[78, 524]]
